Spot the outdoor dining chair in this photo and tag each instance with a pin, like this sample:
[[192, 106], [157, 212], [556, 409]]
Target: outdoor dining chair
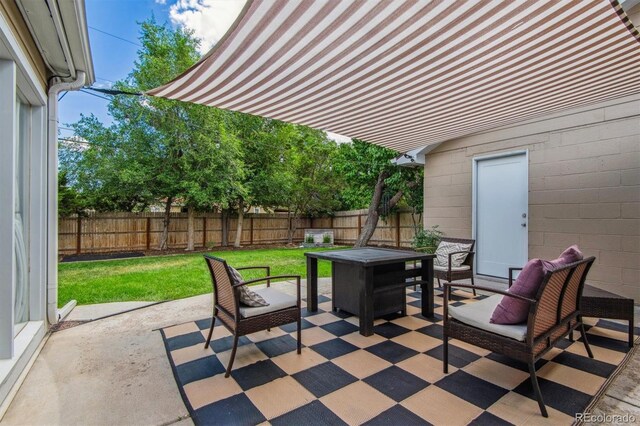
[[242, 320], [553, 314], [450, 272]]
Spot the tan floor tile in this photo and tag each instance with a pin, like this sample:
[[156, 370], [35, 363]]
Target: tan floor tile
[[425, 367], [412, 323], [412, 310], [218, 333], [417, 341], [379, 321], [496, 373], [266, 335], [292, 363], [322, 319], [357, 403], [190, 353], [279, 396], [179, 330], [353, 320], [439, 310], [361, 363], [468, 347], [571, 377], [211, 389], [314, 335], [521, 410], [325, 306], [440, 407], [605, 332], [245, 355], [599, 353], [361, 341]]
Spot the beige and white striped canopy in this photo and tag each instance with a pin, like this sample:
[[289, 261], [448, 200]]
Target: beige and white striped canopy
[[409, 73]]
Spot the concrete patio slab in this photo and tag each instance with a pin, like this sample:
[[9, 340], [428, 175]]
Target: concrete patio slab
[[115, 371], [102, 310]]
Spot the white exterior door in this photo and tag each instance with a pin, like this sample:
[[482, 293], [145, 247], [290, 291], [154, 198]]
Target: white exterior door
[[501, 213]]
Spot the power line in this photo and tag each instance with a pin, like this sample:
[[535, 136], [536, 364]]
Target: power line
[[93, 94], [115, 36]]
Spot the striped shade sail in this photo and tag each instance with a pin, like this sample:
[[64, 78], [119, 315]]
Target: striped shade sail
[[405, 74]]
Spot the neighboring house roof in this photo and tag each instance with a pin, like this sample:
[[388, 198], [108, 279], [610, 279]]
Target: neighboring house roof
[[70, 51]]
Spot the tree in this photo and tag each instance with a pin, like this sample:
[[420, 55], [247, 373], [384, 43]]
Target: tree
[[157, 149], [70, 201], [370, 175]]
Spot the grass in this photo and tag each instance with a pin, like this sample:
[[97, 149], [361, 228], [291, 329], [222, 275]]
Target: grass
[[169, 277]]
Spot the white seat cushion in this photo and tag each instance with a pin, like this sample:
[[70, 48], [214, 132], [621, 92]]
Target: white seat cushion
[[276, 299], [477, 314], [453, 268]]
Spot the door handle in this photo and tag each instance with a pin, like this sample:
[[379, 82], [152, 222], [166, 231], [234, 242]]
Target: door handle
[[524, 225]]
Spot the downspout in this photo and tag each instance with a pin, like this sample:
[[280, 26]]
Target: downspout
[[52, 191]]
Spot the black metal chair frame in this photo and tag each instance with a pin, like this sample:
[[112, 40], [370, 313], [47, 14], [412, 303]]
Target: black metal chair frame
[[449, 275]]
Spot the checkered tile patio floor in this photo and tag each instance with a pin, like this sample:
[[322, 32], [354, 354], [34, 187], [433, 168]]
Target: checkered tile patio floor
[[393, 377]]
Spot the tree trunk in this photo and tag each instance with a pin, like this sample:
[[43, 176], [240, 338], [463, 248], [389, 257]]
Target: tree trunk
[[225, 227], [372, 214], [190, 229], [164, 238], [239, 227]]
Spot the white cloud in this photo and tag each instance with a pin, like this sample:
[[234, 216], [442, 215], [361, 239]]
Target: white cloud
[[161, 1], [209, 19], [338, 138]]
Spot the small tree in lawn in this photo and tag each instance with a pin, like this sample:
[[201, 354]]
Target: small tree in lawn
[[370, 175]]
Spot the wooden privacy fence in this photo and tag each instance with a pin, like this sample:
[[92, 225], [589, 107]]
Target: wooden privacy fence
[[110, 232]]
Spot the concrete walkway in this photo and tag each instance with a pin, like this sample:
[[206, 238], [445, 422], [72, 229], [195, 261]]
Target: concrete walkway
[[115, 371]]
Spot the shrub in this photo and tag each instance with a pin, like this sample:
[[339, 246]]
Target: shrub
[[427, 239], [326, 238]]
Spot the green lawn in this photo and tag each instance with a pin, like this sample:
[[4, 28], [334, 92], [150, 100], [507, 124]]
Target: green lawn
[[168, 277]]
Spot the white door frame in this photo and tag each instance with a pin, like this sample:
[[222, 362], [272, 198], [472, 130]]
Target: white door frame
[[474, 191]]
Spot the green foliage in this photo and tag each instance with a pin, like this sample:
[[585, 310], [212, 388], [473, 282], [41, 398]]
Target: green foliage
[[326, 238], [168, 277], [309, 239], [70, 201], [427, 239]]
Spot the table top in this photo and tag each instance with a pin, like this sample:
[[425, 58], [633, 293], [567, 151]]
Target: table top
[[369, 256]]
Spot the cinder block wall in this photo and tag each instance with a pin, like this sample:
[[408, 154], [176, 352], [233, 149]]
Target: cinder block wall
[[584, 186]]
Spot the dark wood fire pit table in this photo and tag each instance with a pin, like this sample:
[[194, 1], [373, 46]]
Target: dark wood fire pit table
[[371, 282]]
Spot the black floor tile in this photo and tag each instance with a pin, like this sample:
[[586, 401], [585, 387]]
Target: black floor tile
[[391, 351], [314, 413], [472, 389], [226, 343], [397, 415], [324, 379], [292, 326], [390, 330], [458, 357], [433, 330], [185, 340], [278, 345], [584, 363], [334, 348], [257, 374], [396, 383], [199, 369], [340, 328], [560, 397], [488, 419], [236, 410], [519, 365], [608, 343]]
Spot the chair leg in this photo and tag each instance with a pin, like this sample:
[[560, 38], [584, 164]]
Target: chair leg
[[445, 354], [439, 285], [213, 323], [233, 355], [299, 335], [473, 284], [536, 388], [583, 334]]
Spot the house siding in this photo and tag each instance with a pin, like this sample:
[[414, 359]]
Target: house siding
[[584, 186]]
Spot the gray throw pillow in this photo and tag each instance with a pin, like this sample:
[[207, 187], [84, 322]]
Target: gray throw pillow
[[446, 247], [247, 297]]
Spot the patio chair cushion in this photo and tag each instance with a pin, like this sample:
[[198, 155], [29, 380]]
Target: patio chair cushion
[[276, 299], [246, 296], [478, 314], [514, 311], [569, 255], [446, 247], [439, 267]]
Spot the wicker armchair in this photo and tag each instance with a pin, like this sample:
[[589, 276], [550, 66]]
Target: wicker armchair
[[553, 314], [465, 271], [241, 320]]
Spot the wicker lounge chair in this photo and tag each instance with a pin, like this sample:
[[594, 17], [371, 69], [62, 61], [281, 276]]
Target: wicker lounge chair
[[553, 314], [242, 320], [452, 273]]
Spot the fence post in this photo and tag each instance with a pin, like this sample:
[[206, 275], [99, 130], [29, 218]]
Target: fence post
[[397, 229], [251, 230], [148, 233], [79, 235], [359, 226], [204, 231]]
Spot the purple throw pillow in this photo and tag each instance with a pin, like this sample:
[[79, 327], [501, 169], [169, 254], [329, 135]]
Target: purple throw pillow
[[513, 311], [570, 255]]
